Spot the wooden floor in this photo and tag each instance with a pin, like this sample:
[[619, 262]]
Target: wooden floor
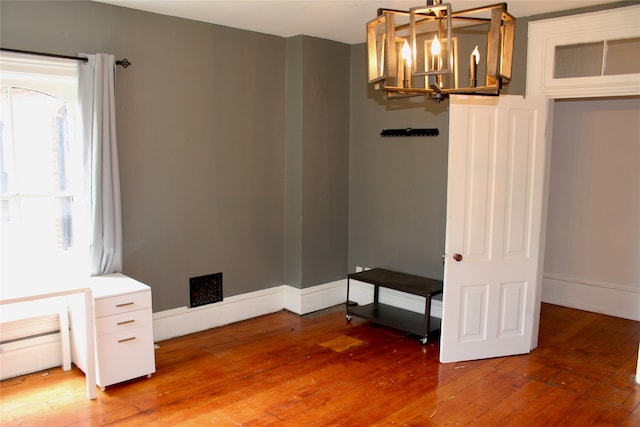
[[283, 369]]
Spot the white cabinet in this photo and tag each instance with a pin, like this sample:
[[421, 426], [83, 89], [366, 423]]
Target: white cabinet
[[123, 330]]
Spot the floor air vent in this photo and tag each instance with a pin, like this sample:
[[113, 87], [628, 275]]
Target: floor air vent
[[205, 290]]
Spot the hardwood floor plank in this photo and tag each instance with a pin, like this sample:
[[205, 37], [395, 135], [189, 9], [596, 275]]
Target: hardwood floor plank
[[284, 369], [633, 419]]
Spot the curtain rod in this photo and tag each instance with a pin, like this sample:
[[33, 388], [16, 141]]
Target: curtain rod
[[124, 62]]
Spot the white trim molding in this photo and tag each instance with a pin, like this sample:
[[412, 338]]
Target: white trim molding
[[22, 356], [314, 298], [30, 355], [182, 321], [638, 367], [545, 35], [605, 298]]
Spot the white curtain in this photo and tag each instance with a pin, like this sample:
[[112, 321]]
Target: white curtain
[[96, 93]]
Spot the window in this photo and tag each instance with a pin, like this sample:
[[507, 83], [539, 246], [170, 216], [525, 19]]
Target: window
[[40, 167], [602, 58], [586, 55]]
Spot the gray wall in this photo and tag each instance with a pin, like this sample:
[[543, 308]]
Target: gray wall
[[325, 161], [293, 168], [234, 147], [203, 128], [397, 185], [201, 139], [594, 199], [317, 161]]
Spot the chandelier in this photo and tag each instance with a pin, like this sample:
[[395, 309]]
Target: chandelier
[[423, 51]]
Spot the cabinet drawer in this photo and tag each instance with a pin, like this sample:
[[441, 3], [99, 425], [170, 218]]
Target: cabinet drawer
[[124, 321], [125, 355], [122, 303]]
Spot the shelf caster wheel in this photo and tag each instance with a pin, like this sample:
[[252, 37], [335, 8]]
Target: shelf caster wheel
[[424, 340], [349, 317]]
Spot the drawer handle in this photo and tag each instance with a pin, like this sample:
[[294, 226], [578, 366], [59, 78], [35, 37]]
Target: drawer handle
[[124, 304], [127, 339], [125, 322]]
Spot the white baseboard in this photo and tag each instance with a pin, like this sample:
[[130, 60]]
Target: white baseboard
[[30, 355], [23, 328], [638, 367], [44, 352], [183, 320], [308, 300], [605, 298]]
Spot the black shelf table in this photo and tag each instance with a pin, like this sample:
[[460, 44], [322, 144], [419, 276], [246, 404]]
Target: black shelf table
[[423, 325]]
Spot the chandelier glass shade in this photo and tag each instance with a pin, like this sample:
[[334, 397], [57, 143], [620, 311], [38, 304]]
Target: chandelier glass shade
[[434, 51]]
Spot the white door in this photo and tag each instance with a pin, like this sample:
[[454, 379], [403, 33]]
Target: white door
[[495, 201]]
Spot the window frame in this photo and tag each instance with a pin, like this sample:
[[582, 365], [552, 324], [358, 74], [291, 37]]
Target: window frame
[[545, 35], [59, 78]]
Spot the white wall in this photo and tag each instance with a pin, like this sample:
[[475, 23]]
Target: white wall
[[592, 258]]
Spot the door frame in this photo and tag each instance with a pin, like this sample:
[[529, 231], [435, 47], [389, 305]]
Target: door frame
[[543, 38]]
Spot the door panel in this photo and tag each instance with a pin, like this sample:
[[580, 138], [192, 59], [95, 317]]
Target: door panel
[[474, 305], [512, 299], [519, 189], [478, 224], [494, 211]]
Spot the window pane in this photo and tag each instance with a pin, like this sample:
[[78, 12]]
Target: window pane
[[578, 60], [38, 236], [37, 202], [39, 136], [623, 57], [43, 218]]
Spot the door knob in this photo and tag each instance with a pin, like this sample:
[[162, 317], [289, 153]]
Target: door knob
[[457, 257]]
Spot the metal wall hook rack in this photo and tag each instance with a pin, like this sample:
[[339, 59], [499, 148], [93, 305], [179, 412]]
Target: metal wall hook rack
[[410, 132]]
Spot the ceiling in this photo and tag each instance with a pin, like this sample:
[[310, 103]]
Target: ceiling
[[339, 20]]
